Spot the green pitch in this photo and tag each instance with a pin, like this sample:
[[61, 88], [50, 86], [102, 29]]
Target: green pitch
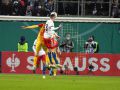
[[35, 82]]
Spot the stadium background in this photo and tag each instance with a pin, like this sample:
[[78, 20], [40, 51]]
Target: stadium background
[[16, 67], [106, 34]]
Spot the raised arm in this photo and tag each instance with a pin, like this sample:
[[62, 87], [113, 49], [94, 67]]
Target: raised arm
[[33, 26], [57, 28], [30, 27]]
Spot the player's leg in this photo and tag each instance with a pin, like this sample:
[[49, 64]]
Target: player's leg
[[54, 71], [35, 63], [47, 42], [38, 47], [53, 50], [43, 57], [38, 61], [50, 56], [54, 55]]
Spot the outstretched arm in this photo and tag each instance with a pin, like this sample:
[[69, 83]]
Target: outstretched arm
[[33, 26], [56, 28], [30, 27]]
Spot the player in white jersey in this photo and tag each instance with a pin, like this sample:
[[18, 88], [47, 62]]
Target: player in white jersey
[[50, 38], [50, 28], [41, 56]]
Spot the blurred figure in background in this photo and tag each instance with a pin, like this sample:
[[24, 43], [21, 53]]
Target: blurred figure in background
[[6, 7], [22, 45], [29, 11], [16, 7], [22, 7], [36, 8], [115, 9], [49, 6], [19, 7], [0, 6], [91, 46], [67, 45]]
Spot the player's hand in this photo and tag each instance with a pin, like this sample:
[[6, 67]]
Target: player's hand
[[58, 37], [60, 27]]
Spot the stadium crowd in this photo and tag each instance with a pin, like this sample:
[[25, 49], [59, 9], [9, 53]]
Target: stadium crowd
[[26, 7], [62, 7]]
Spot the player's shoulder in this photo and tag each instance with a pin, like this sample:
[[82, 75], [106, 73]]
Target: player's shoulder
[[49, 21]]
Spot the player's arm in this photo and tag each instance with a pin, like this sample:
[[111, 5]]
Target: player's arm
[[56, 28], [50, 26], [32, 27], [56, 35]]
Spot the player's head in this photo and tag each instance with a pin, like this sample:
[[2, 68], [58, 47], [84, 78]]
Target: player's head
[[91, 38], [53, 15]]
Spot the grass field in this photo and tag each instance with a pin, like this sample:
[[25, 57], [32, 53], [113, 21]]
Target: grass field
[[35, 82]]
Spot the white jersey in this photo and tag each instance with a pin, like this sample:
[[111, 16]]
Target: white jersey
[[49, 29], [41, 52]]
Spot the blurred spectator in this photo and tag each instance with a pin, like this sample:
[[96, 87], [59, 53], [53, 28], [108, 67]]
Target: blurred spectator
[[36, 8], [67, 45], [115, 9], [91, 46], [94, 12], [29, 11], [0, 6], [68, 9], [22, 45], [49, 6], [16, 7], [30, 3], [6, 8], [22, 7], [19, 7], [63, 7]]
